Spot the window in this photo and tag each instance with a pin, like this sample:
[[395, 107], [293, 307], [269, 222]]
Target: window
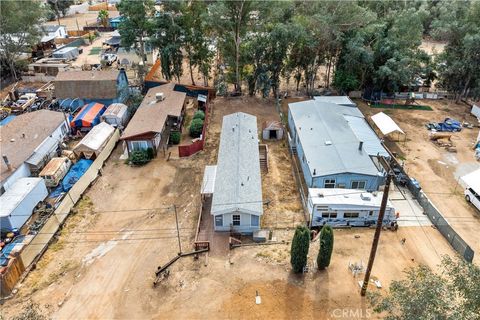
[[138, 145], [341, 185], [350, 215], [370, 213], [218, 221], [358, 184], [236, 219], [332, 215], [255, 220], [329, 183]]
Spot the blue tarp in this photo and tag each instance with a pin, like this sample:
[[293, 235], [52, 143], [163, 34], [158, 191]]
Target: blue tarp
[[449, 125], [7, 249], [6, 120], [73, 175]]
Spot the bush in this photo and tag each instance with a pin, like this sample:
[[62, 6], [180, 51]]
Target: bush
[[141, 157], [326, 247], [199, 115], [175, 137], [196, 127], [299, 249]]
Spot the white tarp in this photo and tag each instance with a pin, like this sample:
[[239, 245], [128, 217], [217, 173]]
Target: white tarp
[[476, 111], [386, 124], [472, 180], [94, 142], [208, 184]]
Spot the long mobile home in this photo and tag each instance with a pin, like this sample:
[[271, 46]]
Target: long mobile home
[[346, 207]]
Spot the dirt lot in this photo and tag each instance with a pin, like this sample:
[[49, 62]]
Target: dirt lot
[[436, 169], [102, 266]]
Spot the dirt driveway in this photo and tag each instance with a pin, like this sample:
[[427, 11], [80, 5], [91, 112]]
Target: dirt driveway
[[102, 266], [435, 168]]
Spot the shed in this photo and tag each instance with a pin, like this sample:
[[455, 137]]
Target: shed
[[346, 207], [476, 111], [116, 115], [272, 130], [66, 53], [89, 116], [208, 183], [19, 201], [93, 143], [237, 198]]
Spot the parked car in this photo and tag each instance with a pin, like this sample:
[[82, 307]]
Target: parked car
[[472, 197], [109, 58]]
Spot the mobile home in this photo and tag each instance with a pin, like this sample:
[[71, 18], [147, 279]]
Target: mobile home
[[346, 207]]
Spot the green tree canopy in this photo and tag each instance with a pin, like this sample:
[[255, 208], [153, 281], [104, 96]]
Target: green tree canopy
[[299, 249], [326, 247]]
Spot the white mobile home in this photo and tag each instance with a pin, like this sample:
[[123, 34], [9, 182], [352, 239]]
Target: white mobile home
[[116, 115], [18, 202], [237, 198], [346, 207]]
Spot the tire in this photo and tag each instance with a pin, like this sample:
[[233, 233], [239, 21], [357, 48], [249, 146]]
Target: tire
[[467, 197]]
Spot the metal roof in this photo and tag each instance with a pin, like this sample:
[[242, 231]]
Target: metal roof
[[364, 133], [341, 100], [208, 184], [95, 138], [49, 145], [386, 124], [238, 185], [329, 143], [16, 193]]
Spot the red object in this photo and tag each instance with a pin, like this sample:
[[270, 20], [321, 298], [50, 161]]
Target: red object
[[190, 149]]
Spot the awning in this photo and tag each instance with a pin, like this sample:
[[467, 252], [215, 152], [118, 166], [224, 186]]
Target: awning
[[202, 98], [386, 124], [472, 180], [208, 184], [41, 154]]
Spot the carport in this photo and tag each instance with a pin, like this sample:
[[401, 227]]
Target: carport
[[387, 126]]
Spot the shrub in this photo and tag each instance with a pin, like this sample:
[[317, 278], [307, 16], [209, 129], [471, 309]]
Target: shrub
[[326, 247], [175, 137], [199, 115], [196, 127], [299, 249], [141, 156]]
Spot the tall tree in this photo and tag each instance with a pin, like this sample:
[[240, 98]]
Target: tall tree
[[59, 7], [232, 20], [326, 247], [136, 24], [424, 294], [20, 29], [299, 249]]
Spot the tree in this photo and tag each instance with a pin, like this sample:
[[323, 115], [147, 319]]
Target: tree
[[451, 294], [136, 24], [20, 29], [59, 7], [103, 17], [299, 249], [326, 247], [196, 128]]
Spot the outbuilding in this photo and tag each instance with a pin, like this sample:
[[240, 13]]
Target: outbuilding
[[346, 207], [93, 143], [19, 201], [237, 203], [88, 116], [272, 130], [66, 53], [116, 115]]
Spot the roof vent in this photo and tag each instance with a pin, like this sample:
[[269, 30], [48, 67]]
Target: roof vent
[[365, 196], [159, 96], [320, 195], [328, 142], [360, 145]]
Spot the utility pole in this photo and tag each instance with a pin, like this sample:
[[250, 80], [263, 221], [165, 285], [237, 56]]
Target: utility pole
[[376, 237], [178, 230]]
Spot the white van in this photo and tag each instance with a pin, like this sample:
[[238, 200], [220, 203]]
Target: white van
[[472, 197]]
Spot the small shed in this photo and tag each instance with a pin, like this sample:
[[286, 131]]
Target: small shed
[[19, 201], [93, 143], [272, 130], [88, 117], [116, 115]]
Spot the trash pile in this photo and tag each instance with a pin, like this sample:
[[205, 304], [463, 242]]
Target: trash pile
[[448, 125]]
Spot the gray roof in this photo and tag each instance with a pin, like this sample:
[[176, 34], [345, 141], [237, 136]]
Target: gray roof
[[341, 100], [330, 135], [238, 185]]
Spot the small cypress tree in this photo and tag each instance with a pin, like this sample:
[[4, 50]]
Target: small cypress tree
[[196, 127], [326, 247], [199, 114], [299, 249]]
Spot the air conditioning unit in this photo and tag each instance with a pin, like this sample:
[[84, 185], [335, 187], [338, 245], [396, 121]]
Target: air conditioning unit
[[160, 96]]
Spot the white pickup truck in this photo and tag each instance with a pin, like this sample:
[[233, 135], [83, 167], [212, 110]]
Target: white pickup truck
[[472, 197]]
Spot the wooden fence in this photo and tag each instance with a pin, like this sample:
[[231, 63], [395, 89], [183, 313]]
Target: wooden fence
[[102, 6], [190, 149], [11, 275]]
